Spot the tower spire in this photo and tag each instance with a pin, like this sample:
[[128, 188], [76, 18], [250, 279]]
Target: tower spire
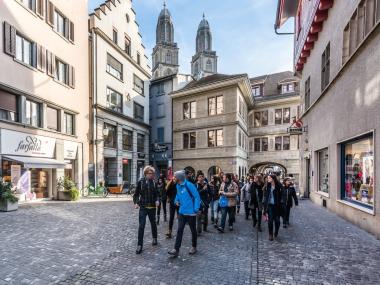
[[164, 4]]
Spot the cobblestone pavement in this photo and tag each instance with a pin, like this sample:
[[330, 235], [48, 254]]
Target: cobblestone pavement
[[94, 243]]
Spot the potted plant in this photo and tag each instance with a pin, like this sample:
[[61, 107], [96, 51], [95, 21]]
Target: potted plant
[[67, 191], [8, 200]]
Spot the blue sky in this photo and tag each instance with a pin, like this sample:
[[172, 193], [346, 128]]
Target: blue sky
[[243, 34]]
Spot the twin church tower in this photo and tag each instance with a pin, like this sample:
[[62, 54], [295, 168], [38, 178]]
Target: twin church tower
[[165, 53]]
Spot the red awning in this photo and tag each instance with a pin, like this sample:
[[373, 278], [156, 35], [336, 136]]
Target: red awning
[[286, 9]]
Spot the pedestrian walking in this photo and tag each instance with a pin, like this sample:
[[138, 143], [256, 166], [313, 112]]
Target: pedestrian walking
[[256, 202], [228, 199], [146, 198], [190, 176], [246, 197], [288, 195], [205, 195], [214, 205], [171, 192], [162, 198], [272, 205], [188, 200], [239, 184]]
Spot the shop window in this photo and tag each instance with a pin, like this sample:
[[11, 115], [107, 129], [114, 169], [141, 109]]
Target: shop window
[[138, 111], [111, 140], [278, 116], [52, 119], [358, 171], [138, 85], [215, 105], [161, 135], [68, 124], [257, 144], [286, 143], [114, 100], [215, 138], [278, 143], [127, 169], [325, 68], [33, 113], [189, 140], [140, 143], [8, 107], [323, 170], [189, 110], [264, 144], [286, 112], [127, 140], [114, 67]]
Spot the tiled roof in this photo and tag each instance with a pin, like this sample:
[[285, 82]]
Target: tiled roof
[[271, 81], [211, 79]]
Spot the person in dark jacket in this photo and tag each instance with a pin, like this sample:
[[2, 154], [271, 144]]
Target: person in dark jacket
[[146, 198], [272, 205], [256, 202], [162, 198], [288, 195], [171, 192], [245, 195], [205, 195], [214, 188]]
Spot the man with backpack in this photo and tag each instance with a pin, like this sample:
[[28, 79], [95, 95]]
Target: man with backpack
[[188, 201]]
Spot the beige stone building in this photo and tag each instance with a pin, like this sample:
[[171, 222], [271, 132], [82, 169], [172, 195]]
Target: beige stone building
[[276, 107], [210, 124], [337, 57], [119, 95], [43, 95]]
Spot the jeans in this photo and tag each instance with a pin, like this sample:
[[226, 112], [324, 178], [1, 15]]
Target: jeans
[[273, 218], [231, 216], [202, 219], [163, 204], [257, 216], [247, 210], [286, 214], [151, 213], [238, 203], [214, 209], [172, 210], [182, 221]]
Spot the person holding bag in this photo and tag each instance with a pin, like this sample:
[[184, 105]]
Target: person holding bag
[[228, 200], [256, 202]]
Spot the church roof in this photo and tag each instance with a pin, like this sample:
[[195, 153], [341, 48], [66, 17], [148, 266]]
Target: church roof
[[164, 13], [204, 24]]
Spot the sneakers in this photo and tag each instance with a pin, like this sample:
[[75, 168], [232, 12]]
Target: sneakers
[[154, 242], [220, 229], [139, 249], [231, 228], [193, 250], [173, 253]]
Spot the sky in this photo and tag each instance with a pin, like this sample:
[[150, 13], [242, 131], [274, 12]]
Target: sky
[[243, 33]]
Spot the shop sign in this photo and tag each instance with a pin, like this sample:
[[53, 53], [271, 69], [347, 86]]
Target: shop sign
[[70, 150], [159, 147], [16, 143], [296, 128]]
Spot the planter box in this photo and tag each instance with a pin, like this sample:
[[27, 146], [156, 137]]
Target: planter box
[[6, 206], [64, 196]]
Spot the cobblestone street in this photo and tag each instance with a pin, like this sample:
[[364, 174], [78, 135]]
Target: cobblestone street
[[94, 243]]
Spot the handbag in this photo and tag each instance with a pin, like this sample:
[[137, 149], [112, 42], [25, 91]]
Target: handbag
[[223, 202]]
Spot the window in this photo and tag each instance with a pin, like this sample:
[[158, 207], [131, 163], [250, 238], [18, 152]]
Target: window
[[52, 118], [62, 71], [286, 143], [307, 93], [209, 66], [323, 170], [168, 57], [264, 144], [278, 116], [286, 113], [68, 124], [127, 46], [161, 135], [138, 111], [278, 143], [114, 67], [33, 113], [114, 100], [264, 118], [8, 107], [287, 88], [261, 119], [114, 35], [189, 140], [239, 139], [26, 51], [189, 110], [160, 110], [325, 71], [111, 140], [127, 140], [215, 105], [358, 173], [140, 143], [257, 118], [256, 90], [138, 85], [30, 4], [60, 23], [215, 138], [138, 60], [257, 144]]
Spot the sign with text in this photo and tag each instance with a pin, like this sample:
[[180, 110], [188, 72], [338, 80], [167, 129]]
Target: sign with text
[[16, 143], [70, 150]]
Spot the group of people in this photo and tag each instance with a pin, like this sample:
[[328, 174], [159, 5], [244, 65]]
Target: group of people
[[190, 199]]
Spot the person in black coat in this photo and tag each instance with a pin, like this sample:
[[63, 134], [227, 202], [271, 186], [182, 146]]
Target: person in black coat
[[205, 195], [288, 195], [256, 201], [273, 205], [171, 192]]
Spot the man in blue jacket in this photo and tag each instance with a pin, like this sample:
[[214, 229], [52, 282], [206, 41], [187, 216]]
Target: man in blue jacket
[[188, 201]]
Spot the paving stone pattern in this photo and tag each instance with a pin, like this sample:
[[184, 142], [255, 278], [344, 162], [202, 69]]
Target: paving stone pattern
[[94, 243]]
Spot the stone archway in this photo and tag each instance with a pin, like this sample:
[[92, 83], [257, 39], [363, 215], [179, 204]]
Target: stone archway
[[213, 170], [269, 168]]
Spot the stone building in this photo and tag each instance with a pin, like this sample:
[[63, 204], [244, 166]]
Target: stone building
[[43, 95], [337, 57], [119, 95], [276, 107]]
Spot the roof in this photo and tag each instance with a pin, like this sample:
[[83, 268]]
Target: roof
[[285, 9], [211, 79], [271, 81]]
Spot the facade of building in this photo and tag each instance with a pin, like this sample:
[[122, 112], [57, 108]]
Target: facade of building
[[43, 95], [276, 107], [119, 95], [337, 57], [210, 124]]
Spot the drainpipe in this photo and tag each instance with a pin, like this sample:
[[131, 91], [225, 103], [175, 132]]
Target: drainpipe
[[94, 102]]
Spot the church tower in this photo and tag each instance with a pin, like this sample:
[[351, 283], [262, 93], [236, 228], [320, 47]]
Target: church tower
[[205, 61], [165, 53]]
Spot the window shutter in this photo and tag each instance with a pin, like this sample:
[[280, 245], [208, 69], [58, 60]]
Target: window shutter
[[41, 58], [67, 28], [50, 60], [9, 39], [40, 8], [34, 54], [71, 76], [50, 13], [53, 66], [71, 37]]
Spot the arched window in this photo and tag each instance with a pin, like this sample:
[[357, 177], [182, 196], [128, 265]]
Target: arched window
[[209, 65], [169, 57], [196, 68]]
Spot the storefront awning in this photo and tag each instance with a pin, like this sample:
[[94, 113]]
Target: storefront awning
[[36, 162]]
